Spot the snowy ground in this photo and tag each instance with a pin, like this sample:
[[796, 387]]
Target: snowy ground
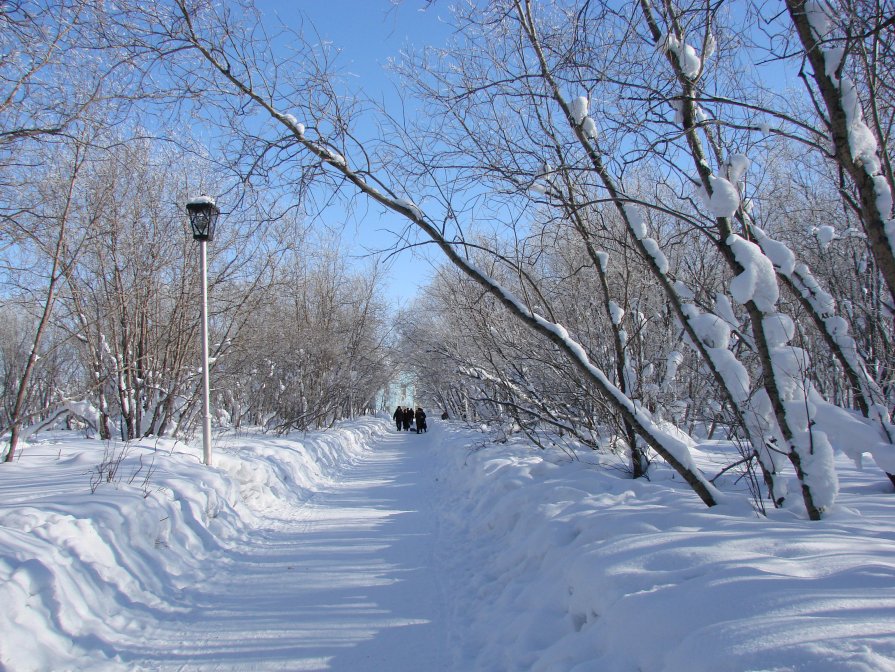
[[365, 549]]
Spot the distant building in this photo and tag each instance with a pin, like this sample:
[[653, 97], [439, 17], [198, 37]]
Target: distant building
[[400, 392]]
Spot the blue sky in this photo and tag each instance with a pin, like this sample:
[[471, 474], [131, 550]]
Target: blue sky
[[368, 33]]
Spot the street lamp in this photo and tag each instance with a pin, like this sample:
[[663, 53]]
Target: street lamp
[[203, 214]]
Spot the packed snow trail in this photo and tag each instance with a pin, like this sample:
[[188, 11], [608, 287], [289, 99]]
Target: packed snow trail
[[367, 550], [344, 582]]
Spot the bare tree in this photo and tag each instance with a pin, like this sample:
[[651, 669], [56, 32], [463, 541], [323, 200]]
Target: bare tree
[[618, 132], [53, 214], [326, 146]]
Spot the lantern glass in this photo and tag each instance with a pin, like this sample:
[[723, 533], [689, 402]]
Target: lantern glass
[[203, 217]]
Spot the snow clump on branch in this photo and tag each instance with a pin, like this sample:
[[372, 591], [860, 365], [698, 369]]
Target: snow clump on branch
[[783, 258], [758, 281], [296, 125], [710, 329], [825, 234], [589, 126], [737, 165], [724, 310], [714, 333], [578, 109], [684, 292], [410, 205], [689, 60], [819, 16], [652, 248], [725, 199], [672, 363], [616, 313], [635, 220], [800, 400]]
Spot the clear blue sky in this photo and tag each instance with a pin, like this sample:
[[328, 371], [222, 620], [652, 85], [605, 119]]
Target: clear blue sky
[[368, 33]]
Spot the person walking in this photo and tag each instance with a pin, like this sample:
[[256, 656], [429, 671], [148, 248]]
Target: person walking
[[408, 418], [420, 421], [399, 417]]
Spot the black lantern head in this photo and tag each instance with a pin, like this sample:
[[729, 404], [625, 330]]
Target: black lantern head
[[203, 216]]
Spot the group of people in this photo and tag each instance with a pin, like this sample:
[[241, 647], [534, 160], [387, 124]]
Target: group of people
[[405, 417]]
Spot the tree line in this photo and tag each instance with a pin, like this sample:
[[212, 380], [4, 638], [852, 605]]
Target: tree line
[[100, 288]]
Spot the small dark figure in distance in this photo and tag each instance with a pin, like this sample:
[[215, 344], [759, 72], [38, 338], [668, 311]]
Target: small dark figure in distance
[[399, 417], [420, 421], [408, 418], [445, 416]]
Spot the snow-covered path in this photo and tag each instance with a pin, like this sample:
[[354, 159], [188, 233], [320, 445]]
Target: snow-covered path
[[367, 550], [344, 582]]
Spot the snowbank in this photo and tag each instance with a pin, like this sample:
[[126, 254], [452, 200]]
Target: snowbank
[[75, 567], [572, 567]]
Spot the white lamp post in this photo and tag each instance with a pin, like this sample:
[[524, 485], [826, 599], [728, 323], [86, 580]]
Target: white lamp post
[[203, 214]]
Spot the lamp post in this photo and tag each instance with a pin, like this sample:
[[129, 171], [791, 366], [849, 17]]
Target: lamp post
[[203, 214]]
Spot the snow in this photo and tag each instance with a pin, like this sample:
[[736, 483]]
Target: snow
[[832, 60], [783, 258], [578, 109], [652, 248], [589, 126], [689, 60], [296, 126], [710, 45], [714, 333], [672, 363], [616, 313], [366, 549], [678, 108], [725, 199], [817, 461], [860, 138], [779, 329], [684, 292], [201, 200], [884, 457], [733, 372], [711, 329], [635, 220], [672, 448], [724, 310], [84, 410], [410, 205], [790, 369], [758, 281], [862, 141], [883, 195], [686, 55], [791, 365], [819, 15], [737, 165], [863, 146], [335, 158], [826, 234], [823, 301]]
